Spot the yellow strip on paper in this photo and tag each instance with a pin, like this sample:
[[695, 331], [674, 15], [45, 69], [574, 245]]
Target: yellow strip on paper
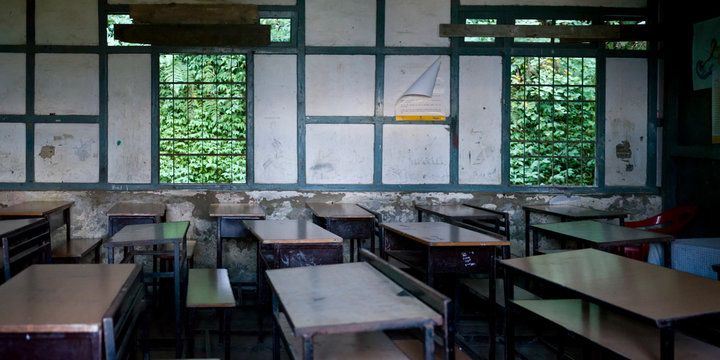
[[716, 139], [420, 117]]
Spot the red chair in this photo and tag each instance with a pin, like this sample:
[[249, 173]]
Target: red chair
[[668, 222]]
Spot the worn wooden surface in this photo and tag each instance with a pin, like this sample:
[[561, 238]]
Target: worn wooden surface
[[194, 14], [249, 210], [574, 212], [35, 208], [137, 209], [626, 336], [653, 292], [323, 299], [289, 231], [61, 298], [77, 248], [194, 35], [338, 210], [587, 33], [11, 226], [458, 212], [443, 234], [601, 234], [149, 234], [351, 346], [209, 288]]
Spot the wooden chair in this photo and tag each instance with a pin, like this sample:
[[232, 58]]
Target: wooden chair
[[667, 222]]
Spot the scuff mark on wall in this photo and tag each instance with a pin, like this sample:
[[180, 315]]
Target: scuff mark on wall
[[47, 152]]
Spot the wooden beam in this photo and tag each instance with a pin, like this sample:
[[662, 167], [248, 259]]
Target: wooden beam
[[194, 14], [588, 33], [195, 35]]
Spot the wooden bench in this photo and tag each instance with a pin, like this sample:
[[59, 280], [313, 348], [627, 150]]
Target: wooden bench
[[481, 289], [617, 333], [23, 242], [209, 289], [74, 250]]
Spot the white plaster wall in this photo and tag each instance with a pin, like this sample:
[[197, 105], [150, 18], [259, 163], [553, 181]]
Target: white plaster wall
[[416, 22], [66, 84], [626, 117], [401, 71], [339, 153], [12, 22], [12, 83], [416, 154], [129, 110], [12, 152], [598, 3], [275, 123], [62, 22], [256, 2], [66, 153], [340, 85], [340, 22], [480, 120]]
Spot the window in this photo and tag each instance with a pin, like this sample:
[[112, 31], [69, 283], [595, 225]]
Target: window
[[118, 19], [480, 22], [553, 120], [202, 105], [626, 45], [279, 30]]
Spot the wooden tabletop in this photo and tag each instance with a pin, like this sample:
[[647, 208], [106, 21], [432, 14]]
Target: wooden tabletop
[[338, 210], [458, 211], [8, 226], [575, 212], [443, 234], [320, 299], [650, 291], [35, 208], [137, 209], [148, 234], [61, 298], [602, 233], [289, 231], [249, 210]]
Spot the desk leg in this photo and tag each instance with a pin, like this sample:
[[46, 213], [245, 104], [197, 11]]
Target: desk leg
[[527, 232], [419, 215], [308, 348], [668, 254], [178, 318], [491, 294], [276, 328], [667, 343], [66, 217], [535, 241], [111, 254], [430, 268], [429, 342], [219, 244], [509, 321]]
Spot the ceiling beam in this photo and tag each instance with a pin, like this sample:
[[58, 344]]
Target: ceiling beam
[[194, 14], [248, 35]]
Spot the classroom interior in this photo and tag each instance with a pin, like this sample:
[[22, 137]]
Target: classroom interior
[[420, 155]]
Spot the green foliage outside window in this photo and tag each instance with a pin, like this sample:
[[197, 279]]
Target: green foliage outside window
[[279, 30], [553, 121], [202, 105], [118, 19]]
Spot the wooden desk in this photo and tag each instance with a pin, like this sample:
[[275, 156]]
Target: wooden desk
[[348, 221], [290, 243], [126, 213], [468, 216], [321, 300], [229, 222], [24, 242], [567, 213], [58, 311], [155, 236], [57, 213], [656, 295], [602, 236]]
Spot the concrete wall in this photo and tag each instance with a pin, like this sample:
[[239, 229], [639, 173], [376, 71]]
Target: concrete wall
[[89, 217]]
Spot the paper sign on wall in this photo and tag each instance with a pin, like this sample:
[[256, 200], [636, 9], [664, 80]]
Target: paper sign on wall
[[417, 102]]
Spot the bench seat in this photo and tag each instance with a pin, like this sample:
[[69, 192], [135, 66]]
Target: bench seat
[[209, 289], [623, 335], [74, 250], [351, 346], [481, 289]]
